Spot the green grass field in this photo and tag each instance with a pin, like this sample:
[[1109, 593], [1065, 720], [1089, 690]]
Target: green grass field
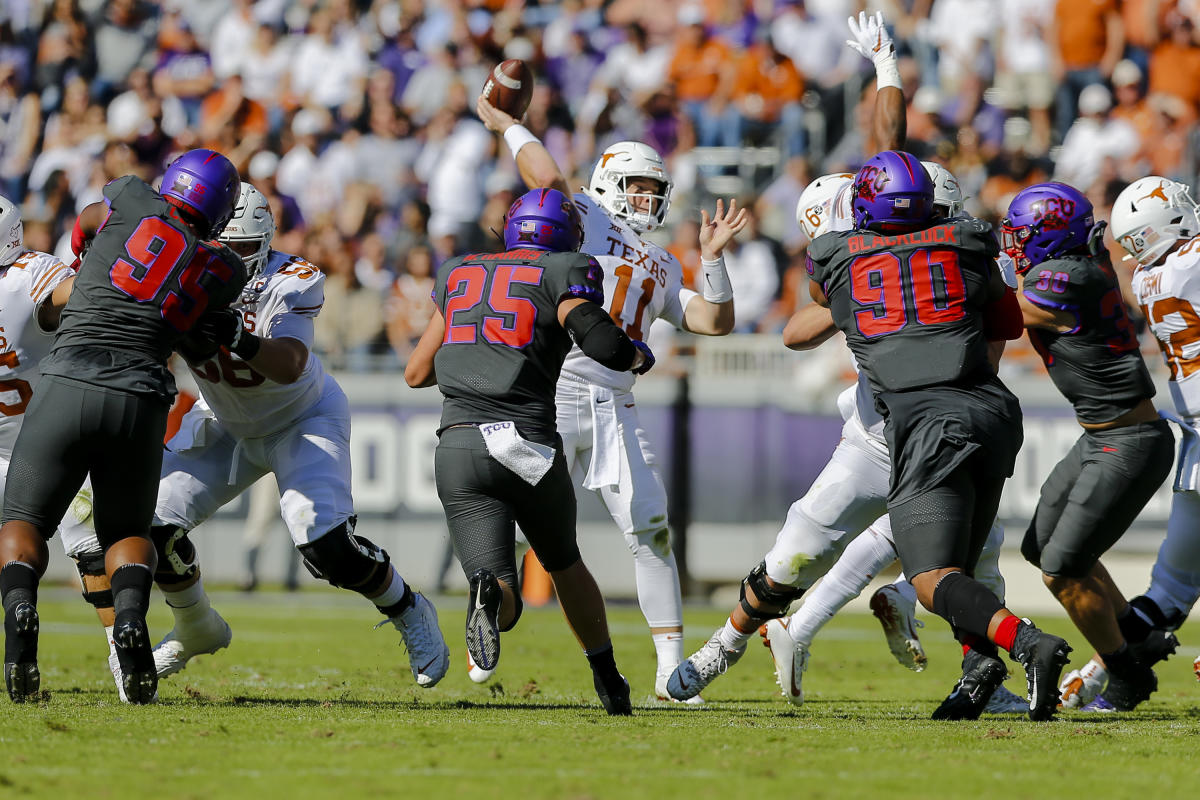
[[309, 701]]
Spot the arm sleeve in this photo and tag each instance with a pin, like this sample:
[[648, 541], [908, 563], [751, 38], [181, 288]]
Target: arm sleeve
[[298, 310], [584, 280], [599, 338]]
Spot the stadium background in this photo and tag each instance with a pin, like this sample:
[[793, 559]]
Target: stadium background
[[355, 118]]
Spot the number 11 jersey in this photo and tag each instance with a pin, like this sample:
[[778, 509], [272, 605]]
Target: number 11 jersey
[[911, 304], [642, 282], [142, 285]]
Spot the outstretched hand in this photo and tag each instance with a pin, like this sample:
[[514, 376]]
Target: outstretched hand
[[493, 118], [717, 232], [871, 39]]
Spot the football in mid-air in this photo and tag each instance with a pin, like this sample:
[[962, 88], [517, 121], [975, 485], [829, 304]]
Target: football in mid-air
[[509, 87]]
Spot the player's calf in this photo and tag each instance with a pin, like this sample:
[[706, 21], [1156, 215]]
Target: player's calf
[[18, 591], [131, 599]]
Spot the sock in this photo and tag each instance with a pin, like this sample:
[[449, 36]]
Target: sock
[[131, 589], [190, 604], [396, 598], [1120, 661], [1006, 632], [108, 636], [731, 638], [861, 561], [979, 644], [669, 647], [1133, 625], [602, 659], [965, 603], [18, 584]]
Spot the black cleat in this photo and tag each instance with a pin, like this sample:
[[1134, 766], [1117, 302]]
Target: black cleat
[[614, 694], [483, 619], [1158, 646], [1125, 692], [21, 675], [1043, 656], [139, 678], [982, 675]]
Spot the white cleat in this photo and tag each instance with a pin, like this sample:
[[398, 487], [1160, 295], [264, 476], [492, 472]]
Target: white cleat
[[1003, 701], [428, 655], [114, 664], [202, 636], [897, 615], [791, 658], [661, 693], [476, 673], [702, 668], [1081, 686]]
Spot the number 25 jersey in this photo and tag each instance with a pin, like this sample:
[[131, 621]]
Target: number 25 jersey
[[642, 282], [142, 285], [503, 348], [910, 304]]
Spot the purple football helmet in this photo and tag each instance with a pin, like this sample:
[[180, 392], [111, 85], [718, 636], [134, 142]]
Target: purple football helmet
[[543, 219], [206, 182], [892, 193], [1045, 221]]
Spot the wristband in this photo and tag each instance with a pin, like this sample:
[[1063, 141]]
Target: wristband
[[716, 287], [517, 136], [246, 345], [887, 73]]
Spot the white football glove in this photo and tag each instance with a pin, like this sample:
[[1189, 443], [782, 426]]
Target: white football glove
[[872, 41]]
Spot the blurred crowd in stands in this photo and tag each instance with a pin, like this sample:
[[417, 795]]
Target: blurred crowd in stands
[[356, 117]]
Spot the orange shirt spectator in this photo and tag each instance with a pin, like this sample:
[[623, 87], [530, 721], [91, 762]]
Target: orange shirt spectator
[[1083, 28], [698, 65], [766, 80], [227, 116], [1175, 64]]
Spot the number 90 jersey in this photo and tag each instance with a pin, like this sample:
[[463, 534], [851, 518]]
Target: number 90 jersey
[[1169, 295], [282, 302], [24, 284], [642, 282], [910, 304]]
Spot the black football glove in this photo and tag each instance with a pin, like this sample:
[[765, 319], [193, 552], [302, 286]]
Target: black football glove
[[224, 327]]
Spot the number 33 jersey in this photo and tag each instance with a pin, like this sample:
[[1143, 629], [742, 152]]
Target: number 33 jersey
[[642, 282], [1169, 295], [24, 284], [910, 304], [282, 302], [1096, 365]]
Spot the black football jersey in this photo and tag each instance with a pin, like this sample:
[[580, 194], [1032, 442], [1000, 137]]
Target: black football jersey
[[504, 347], [911, 304], [1096, 365], [142, 285]]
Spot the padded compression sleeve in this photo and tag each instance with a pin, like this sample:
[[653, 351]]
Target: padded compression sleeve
[[599, 337]]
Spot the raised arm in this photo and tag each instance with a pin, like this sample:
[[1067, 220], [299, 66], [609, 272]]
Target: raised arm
[[711, 312], [534, 162], [871, 40]]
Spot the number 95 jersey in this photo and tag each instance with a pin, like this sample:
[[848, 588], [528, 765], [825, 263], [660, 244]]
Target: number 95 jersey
[[642, 282], [910, 304], [282, 302]]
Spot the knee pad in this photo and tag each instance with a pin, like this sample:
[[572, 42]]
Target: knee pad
[[91, 565], [176, 555], [346, 560], [657, 542], [779, 596]]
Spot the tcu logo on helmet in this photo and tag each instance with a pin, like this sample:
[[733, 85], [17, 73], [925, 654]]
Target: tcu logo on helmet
[[871, 181], [1054, 213]]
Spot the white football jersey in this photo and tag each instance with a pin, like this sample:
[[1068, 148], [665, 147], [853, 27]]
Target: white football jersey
[[642, 282], [24, 284], [282, 302], [1169, 295]]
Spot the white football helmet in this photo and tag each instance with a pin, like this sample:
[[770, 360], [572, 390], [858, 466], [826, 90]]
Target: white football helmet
[[251, 222], [619, 163], [816, 209], [1150, 215], [946, 192], [12, 232]]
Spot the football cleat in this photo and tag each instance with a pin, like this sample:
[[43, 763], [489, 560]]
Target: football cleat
[[1005, 702], [203, 635], [428, 654], [21, 675], [897, 614], [1099, 704], [791, 659], [1043, 656], [1126, 692], [661, 693], [1082, 686], [982, 675], [702, 668], [475, 672], [139, 678], [483, 619], [1159, 645], [613, 692], [114, 665]]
